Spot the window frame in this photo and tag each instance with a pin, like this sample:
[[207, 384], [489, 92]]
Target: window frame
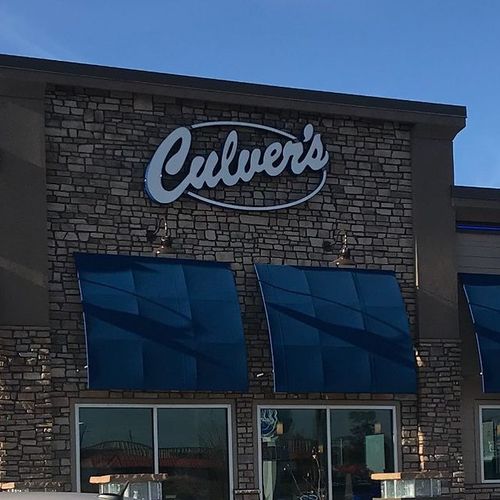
[[482, 407], [155, 408], [328, 408]]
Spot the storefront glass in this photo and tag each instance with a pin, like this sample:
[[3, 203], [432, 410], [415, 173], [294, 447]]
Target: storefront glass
[[193, 450], [296, 447], [361, 444], [114, 441], [190, 444], [490, 434], [294, 462]]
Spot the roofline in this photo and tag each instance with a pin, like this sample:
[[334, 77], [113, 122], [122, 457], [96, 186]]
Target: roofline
[[476, 193], [70, 73], [476, 205]]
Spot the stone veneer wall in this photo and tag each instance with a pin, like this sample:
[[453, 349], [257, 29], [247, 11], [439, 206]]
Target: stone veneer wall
[[26, 418], [439, 424], [478, 491], [98, 144]]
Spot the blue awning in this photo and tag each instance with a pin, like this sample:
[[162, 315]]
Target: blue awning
[[159, 324], [483, 295], [337, 330]]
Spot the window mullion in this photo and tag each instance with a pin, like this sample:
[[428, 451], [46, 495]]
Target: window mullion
[[78, 451], [329, 454], [156, 450]]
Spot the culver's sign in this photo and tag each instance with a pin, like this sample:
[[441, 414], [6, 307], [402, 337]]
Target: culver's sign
[[231, 165]]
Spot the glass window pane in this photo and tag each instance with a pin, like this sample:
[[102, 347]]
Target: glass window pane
[[362, 443], [294, 458], [194, 452], [490, 429], [114, 441]]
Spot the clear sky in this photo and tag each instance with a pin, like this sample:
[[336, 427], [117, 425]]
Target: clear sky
[[428, 50]]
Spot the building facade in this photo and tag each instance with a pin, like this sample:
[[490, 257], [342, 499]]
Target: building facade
[[75, 145]]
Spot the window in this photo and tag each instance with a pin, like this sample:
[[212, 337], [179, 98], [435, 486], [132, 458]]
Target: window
[[115, 441], [193, 450], [189, 443], [324, 453], [490, 442], [362, 443], [294, 442]]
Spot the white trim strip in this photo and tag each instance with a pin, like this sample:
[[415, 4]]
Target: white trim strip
[[141, 405], [230, 448], [77, 449], [259, 458], [329, 454], [156, 444]]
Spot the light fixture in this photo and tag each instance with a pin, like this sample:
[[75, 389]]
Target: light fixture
[[344, 259], [163, 231]]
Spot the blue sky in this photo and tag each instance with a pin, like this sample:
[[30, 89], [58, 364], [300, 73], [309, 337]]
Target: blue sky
[[429, 50]]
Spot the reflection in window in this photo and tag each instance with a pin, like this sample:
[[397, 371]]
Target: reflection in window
[[193, 450], [362, 444], [293, 453], [490, 433], [114, 441], [190, 444]]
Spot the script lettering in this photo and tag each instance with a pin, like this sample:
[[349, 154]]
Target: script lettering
[[229, 166]]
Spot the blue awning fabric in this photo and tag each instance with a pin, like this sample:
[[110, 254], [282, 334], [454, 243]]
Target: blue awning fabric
[[483, 295], [157, 324], [337, 330]]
